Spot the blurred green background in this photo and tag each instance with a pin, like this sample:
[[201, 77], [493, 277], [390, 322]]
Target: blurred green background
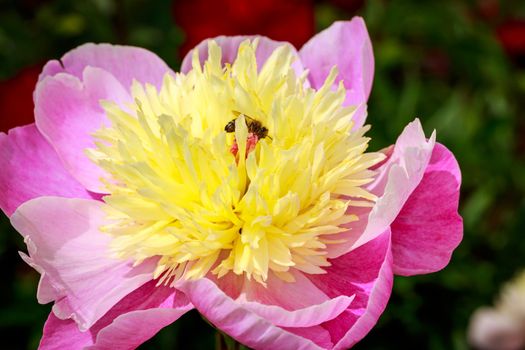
[[457, 65]]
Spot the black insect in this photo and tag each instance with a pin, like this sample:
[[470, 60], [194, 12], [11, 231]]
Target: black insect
[[254, 126], [230, 127]]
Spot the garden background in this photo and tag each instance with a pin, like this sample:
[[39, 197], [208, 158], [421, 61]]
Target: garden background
[[457, 65]]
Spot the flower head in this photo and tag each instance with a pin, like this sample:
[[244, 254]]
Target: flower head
[[241, 187], [177, 191], [503, 326]]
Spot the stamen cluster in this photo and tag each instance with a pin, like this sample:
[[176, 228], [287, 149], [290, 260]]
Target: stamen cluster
[[178, 192]]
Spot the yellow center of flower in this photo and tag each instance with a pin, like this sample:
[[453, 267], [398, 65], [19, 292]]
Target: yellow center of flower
[[246, 202]]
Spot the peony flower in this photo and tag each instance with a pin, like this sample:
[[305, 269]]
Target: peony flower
[[241, 187], [503, 326]]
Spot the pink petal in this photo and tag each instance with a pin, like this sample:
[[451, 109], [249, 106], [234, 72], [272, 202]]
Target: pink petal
[[347, 46], [278, 302], [365, 272], [306, 317], [158, 307], [317, 334], [63, 334], [125, 63], [242, 324], [68, 111], [429, 228], [66, 246], [30, 169], [135, 319], [355, 230], [230, 46], [396, 179], [132, 329], [284, 294]]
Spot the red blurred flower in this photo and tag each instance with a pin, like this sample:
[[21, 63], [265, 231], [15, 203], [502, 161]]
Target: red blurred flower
[[511, 34], [489, 10], [16, 98], [291, 20]]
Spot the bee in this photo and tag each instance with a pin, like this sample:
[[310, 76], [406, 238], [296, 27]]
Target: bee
[[254, 126]]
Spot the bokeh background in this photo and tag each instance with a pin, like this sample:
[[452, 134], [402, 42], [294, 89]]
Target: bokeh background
[[457, 65]]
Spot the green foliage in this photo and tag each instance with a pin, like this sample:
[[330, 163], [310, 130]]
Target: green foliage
[[434, 60], [438, 62], [32, 32]]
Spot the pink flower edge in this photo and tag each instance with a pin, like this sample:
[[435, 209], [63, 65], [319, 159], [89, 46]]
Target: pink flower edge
[[31, 168], [67, 248], [428, 228], [133, 320]]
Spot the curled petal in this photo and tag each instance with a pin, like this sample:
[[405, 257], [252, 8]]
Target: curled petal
[[67, 248], [139, 316], [135, 319], [132, 329], [125, 63], [278, 302], [397, 178], [242, 324], [365, 272], [30, 169], [68, 111], [345, 45], [306, 317], [429, 228]]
